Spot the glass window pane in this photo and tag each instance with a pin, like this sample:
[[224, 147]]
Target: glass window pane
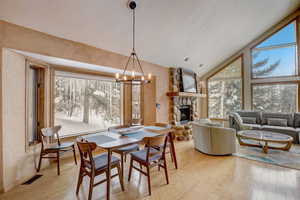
[[284, 36], [225, 91], [84, 105], [275, 97], [274, 62], [136, 103]]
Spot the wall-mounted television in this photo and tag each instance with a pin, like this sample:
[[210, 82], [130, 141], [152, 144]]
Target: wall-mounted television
[[188, 81]]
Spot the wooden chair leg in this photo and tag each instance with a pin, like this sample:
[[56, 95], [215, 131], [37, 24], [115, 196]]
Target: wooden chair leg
[[92, 185], [40, 162], [172, 158], [80, 177], [120, 177], [149, 181], [58, 167], [130, 169], [74, 153], [166, 170]]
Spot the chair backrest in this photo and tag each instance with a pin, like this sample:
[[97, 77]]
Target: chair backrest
[[48, 134], [86, 153], [156, 143]]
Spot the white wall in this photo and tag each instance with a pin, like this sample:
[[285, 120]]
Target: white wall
[[18, 165]]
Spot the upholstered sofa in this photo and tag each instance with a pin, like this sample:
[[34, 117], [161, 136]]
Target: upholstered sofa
[[214, 140], [286, 123]]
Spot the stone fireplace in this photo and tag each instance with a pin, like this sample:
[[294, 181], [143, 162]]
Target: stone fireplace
[[183, 106], [184, 109]]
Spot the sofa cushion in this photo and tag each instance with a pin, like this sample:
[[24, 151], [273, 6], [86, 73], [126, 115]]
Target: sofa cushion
[[255, 114], [249, 120], [277, 122], [297, 119], [288, 116], [284, 130]]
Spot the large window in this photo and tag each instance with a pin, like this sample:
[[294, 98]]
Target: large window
[[275, 97], [86, 104], [275, 60], [136, 103], [277, 55], [225, 90]]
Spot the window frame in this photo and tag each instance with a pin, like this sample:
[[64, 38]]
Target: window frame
[[278, 83], [35, 65], [297, 57], [240, 56], [83, 73], [294, 79]]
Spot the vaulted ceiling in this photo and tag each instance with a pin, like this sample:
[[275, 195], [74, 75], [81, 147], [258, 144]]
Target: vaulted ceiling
[[206, 31]]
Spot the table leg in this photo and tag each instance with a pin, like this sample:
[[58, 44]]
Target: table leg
[[173, 149], [265, 147], [108, 174]]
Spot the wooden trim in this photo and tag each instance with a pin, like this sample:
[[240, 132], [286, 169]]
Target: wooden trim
[[241, 56], [1, 122], [275, 46], [82, 71], [41, 106]]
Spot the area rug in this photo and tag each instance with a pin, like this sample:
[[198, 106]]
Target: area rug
[[289, 159]]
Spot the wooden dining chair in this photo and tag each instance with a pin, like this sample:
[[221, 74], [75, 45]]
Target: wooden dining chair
[[169, 151], [123, 151], [48, 147], [150, 157], [93, 166]]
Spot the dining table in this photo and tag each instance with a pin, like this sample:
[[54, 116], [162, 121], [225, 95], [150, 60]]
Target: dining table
[[110, 140]]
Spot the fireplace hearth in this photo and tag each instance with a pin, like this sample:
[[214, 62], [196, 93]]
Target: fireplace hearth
[[185, 113]]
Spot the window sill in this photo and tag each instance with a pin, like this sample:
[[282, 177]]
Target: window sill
[[73, 136]]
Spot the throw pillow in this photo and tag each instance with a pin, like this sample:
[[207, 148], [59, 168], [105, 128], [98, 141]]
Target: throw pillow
[[277, 122], [249, 120]]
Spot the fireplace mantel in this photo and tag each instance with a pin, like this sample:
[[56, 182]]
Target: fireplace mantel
[[185, 94]]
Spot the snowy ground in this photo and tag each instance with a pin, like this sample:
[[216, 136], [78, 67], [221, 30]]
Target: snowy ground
[[71, 126]]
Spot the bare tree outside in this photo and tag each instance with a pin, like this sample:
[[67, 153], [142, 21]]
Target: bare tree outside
[[86, 105]]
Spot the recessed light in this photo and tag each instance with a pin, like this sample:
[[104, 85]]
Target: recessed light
[[201, 65], [186, 59]]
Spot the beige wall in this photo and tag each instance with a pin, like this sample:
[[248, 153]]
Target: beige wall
[[17, 37], [246, 53], [1, 127], [16, 162]]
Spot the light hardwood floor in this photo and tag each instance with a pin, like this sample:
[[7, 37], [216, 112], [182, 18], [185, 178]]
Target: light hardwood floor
[[199, 177]]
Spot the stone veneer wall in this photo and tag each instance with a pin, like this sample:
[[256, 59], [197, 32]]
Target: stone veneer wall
[[176, 102]]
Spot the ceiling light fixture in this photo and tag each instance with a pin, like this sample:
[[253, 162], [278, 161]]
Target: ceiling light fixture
[[133, 77]]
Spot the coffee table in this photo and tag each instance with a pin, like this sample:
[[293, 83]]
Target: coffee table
[[265, 139]]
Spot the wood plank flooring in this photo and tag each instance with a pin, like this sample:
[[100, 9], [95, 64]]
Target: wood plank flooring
[[199, 177]]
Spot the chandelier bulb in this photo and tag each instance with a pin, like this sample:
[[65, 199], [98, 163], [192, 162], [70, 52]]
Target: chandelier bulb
[[117, 75], [149, 76], [125, 78]]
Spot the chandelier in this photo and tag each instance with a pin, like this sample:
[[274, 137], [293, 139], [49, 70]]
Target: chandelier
[[129, 75]]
